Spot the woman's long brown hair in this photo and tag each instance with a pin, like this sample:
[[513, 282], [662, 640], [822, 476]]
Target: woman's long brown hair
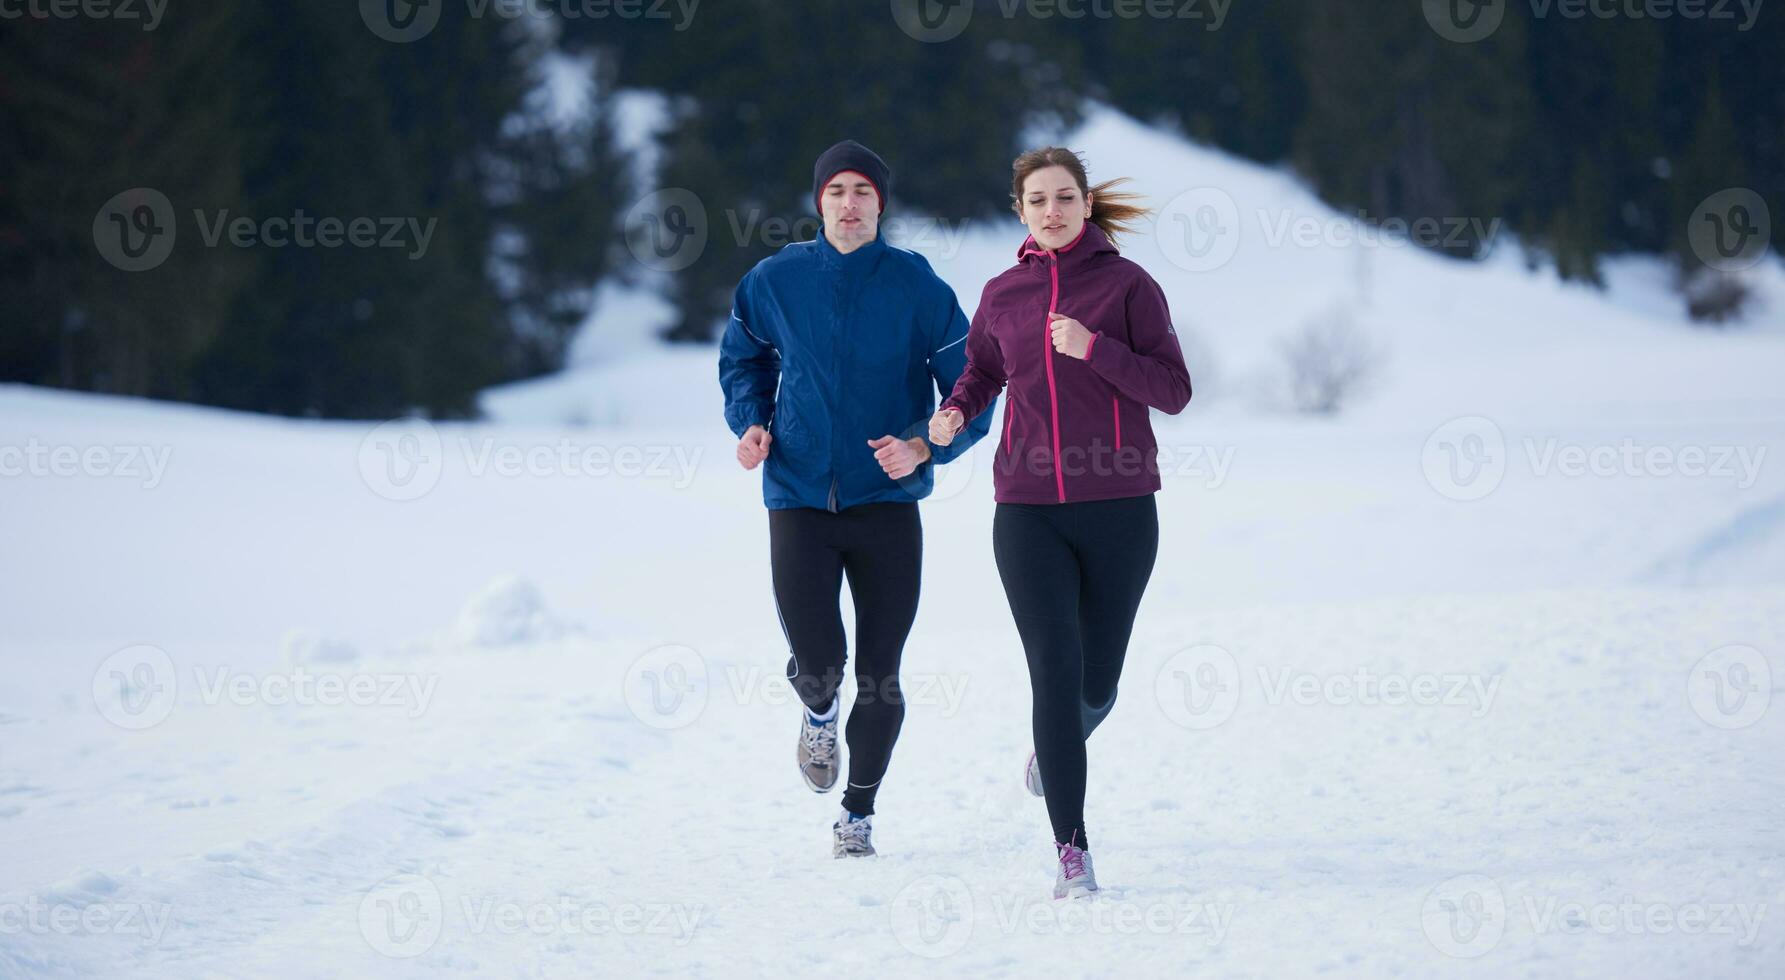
[[1116, 212]]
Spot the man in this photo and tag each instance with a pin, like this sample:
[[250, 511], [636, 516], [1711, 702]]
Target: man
[[834, 345]]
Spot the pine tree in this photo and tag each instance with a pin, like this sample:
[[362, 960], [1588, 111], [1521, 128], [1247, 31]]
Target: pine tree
[[431, 132], [1417, 128], [88, 110], [755, 109]]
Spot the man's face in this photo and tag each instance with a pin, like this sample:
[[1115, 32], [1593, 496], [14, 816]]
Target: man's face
[[851, 207]]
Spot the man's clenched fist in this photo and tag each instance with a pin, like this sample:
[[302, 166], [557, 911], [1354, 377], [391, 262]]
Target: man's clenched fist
[[899, 458], [754, 447]]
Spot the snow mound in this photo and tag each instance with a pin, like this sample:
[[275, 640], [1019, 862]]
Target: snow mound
[[510, 611], [301, 647]]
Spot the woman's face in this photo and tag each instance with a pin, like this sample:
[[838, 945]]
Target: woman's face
[[1053, 208]]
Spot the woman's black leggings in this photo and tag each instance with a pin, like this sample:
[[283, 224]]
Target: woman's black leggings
[[880, 548], [1074, 574]]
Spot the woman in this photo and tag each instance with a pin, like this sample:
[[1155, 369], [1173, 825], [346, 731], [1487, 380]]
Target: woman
[[1083, 338]]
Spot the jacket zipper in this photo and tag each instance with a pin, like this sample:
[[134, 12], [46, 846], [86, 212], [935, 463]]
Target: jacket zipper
[[1115, 408], [1009, 420], [839, 366], [1047, 339]]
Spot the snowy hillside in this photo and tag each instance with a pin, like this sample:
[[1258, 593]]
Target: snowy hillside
[[1486, 338], [1480, 676]]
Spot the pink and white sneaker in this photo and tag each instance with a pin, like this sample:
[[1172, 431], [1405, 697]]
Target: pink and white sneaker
[[1076, 877]]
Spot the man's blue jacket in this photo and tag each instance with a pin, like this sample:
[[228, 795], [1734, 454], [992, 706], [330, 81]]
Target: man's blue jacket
[[829, 351]]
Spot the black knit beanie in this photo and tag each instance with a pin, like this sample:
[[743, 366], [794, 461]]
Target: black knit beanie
[[850, 155]]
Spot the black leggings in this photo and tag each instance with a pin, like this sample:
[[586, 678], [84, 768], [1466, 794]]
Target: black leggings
[[1074, 574], [880, 548]]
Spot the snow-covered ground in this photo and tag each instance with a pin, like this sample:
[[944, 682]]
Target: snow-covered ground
[[1474, 678]]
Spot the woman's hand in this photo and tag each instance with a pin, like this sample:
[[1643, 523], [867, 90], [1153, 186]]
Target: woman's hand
[[944, 425], [1070, 336]]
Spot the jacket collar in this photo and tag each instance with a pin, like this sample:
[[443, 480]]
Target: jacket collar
[[863, 259], [1091, 242]]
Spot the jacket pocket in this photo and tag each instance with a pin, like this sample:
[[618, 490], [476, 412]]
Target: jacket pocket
[[789, 432]]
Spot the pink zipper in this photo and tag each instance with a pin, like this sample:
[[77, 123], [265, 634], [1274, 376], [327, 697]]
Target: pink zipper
[[1009, 419], [1115, 407], [1053, 395], [1047, 335]]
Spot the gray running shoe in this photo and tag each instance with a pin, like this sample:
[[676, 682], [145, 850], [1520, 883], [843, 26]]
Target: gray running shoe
[[1032, 777], [1076, 877], [852, 838], [818, 752]]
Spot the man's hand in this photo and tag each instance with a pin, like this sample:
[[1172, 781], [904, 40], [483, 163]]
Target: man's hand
[[1070, 336], [754, 447], [944, 425], [900, 457]]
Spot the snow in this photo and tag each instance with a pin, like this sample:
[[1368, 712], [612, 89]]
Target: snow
[[1473, 678], [510, 611]]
